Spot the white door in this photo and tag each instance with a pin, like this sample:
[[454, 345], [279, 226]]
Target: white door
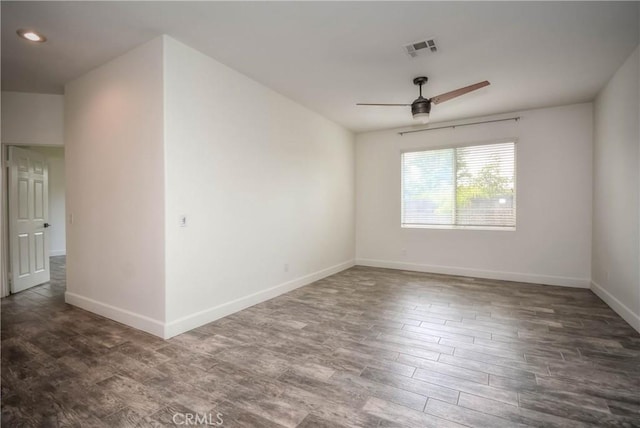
[[28, 216]]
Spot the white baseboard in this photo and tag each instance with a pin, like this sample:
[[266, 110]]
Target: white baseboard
[[54, 253], [167, 330], [123, 316], [216, 312], [620, 308], [478, 273]]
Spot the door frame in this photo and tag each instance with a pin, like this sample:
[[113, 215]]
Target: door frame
[[5, 289]]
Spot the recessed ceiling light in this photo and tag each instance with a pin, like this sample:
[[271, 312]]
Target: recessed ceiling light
[[32, 36]]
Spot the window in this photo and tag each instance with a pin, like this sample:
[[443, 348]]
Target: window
[[470, 186]]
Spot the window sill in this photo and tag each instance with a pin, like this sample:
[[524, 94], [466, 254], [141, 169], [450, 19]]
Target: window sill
[[448, 227]]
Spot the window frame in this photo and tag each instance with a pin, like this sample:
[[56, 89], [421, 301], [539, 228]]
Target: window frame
[[455, 226]]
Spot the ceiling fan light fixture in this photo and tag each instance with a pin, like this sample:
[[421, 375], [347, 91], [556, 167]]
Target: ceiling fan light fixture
[[423, 118], [420, 110]]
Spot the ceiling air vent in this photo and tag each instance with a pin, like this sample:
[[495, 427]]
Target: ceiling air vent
[[422, 46]]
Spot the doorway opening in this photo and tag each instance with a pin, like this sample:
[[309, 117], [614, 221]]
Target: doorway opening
[[33, 216]]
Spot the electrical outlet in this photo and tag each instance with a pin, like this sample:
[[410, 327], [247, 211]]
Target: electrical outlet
[[403, 252], [286, 267]]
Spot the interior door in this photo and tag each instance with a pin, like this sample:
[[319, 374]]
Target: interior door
[[28, 216]]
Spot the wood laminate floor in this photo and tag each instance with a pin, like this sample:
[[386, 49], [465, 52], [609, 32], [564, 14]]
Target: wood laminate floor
[[366, 347]]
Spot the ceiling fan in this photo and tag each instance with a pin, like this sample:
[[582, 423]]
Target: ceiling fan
[[421, 107]]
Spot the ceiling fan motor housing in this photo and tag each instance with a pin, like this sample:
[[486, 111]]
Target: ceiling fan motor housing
[[421, 106]]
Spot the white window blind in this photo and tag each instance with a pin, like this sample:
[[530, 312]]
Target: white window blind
[[470, 186]]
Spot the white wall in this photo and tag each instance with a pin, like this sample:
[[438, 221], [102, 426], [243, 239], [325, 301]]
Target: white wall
[[115, 189], [32, 119], [57, 205], [55, 162], [616, 186], [263, 182], [551, 244]]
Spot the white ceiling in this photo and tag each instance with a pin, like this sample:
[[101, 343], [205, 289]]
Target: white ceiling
[[330, 55]]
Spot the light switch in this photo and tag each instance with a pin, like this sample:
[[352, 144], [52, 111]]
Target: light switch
[[182, 220]]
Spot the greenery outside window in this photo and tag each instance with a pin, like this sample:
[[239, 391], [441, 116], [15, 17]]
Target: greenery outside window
[[460, 187]]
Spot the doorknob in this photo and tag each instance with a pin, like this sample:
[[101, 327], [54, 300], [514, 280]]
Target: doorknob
[[47, 225]]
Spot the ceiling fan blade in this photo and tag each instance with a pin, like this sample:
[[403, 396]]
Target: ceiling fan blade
[[387, 105], [461, 91]]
